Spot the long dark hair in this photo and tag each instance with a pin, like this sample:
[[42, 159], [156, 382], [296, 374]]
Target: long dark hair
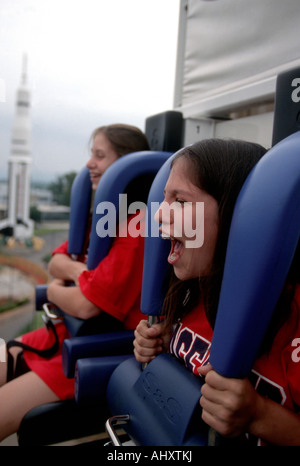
[[220, 167]]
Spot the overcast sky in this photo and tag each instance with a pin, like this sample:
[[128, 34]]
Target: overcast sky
[[90, 62]]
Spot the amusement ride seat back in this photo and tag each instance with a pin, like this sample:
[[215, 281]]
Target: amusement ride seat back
[[160, 404]]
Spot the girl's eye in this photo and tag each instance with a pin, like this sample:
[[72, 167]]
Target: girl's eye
[[180, 201]]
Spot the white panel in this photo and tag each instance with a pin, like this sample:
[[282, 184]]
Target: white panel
[[256, 128], [233, 44], [194, 130]]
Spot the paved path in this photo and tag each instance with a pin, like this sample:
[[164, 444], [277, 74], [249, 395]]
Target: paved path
[[50, 241]]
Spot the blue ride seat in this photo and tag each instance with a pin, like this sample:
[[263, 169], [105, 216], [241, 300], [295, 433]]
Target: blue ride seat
[[155, 263], [135, 171], [80, 211], [159, 405]]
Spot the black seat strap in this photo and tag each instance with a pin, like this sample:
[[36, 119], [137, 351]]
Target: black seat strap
[[45, 353]]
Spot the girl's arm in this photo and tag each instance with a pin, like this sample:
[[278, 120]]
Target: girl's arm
[[71, 300], [65, 268], [233, 407]]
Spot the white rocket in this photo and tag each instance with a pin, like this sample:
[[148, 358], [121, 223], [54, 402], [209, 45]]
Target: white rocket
[[18, 224]]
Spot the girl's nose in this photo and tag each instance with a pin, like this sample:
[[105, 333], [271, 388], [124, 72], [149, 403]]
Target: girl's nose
[[157, 215], [164, 214], [90, 163]]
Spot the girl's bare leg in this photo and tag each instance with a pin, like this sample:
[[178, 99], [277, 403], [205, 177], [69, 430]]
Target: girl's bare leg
[[18, 397], [3, 365]]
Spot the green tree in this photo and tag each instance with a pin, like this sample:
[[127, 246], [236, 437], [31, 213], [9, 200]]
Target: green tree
[[61, 188], [35, 214]]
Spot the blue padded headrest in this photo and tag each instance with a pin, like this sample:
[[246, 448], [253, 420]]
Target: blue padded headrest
[[164, 131], [263, 238], [80, 205], [287, 105], [156, 249], [114, 182]]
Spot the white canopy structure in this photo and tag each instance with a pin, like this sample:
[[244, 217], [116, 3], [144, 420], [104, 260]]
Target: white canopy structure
[[229, 54]]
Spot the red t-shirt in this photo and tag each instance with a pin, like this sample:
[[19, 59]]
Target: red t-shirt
[[107, 286], [275, 375], [114, 286]]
